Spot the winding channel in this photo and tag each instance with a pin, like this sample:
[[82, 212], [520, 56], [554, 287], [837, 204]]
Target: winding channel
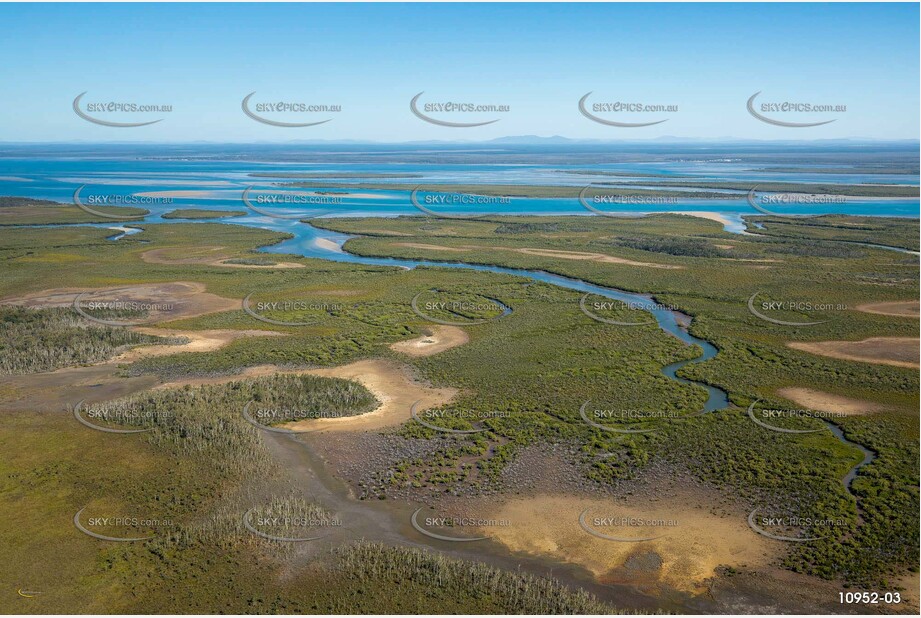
[[868, 456], [389, 521], [670, 321]]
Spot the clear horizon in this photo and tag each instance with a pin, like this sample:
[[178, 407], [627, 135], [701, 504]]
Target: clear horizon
[[664, 140]]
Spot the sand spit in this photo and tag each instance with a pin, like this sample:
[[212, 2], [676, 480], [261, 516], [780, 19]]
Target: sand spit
[[328, 245], [704, 214]]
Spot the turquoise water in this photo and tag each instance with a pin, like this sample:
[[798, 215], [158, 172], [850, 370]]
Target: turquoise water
[[219, 185]]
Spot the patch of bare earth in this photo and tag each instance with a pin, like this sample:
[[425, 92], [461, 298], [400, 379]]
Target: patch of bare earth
[[197, 341], [387, 232], [275, 266], [828, 402], [438, 339], [693, 539], [168, 301], [703, 214], [419, 245], [390, 382], [554, 253], [204, 256], [898, 308], [184, 255], [592, 257], [911, 583], [56, 391], [329, 245], [894, 351], [52, 391], [543, 492], [393, 386]]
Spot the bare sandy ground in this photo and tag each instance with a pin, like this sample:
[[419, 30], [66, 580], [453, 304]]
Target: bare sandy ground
[[55, 390], [703, 214], [910, 596], [389, 381], [184, 255], [198, 341], [828, 402], [205, 256], [684, 557], [592, 257], [327, 244], [179, 299], [899, 308], [51, 391], [441, 338], [554, 253], [894, 351], [420, 245], [386, 232], [274, 266]]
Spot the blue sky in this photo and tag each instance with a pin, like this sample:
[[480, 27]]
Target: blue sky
[[538, 59]]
